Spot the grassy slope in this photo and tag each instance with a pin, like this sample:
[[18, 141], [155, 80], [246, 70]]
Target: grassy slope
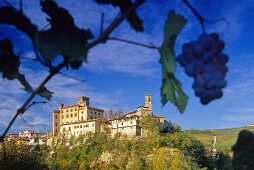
[[226, 138]]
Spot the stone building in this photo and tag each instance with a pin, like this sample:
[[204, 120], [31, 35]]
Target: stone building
[[81, 118], [28, 138], [78, 118]]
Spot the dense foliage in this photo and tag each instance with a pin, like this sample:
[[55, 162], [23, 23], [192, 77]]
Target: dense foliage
[[178, 150], [22, 157]]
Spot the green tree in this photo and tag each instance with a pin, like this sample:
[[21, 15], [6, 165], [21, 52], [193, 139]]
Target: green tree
[[169, 159], [16, 156], [244, 151], [150, 123]]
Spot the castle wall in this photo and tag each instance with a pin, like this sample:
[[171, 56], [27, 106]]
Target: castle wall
[[80, 128]]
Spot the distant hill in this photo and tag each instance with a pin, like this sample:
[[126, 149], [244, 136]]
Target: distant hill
[[225, 138]]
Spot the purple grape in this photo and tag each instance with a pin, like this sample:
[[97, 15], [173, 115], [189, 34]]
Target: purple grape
[[189, 69], [208, 57], [198, 51], [204, 60]]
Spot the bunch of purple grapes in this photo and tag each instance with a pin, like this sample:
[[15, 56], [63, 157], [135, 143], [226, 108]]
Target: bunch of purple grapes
[[204, 60]]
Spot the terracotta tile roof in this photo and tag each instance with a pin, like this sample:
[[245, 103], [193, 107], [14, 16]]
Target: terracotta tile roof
[[56, 111], [75, 105], [131, 112], [94, 108], [159, 116], [30, 131]]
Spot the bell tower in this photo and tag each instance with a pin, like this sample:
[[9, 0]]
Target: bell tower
[[148, 101]]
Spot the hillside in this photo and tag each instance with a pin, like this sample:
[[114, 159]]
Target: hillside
[[225, 138]]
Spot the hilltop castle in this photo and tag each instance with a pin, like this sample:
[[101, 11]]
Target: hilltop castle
[[81, 118]]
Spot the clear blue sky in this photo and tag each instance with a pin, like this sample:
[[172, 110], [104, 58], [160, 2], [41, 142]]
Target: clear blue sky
[[119, 75]]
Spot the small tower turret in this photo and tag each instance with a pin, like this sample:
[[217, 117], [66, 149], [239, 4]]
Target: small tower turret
[[83, 101]]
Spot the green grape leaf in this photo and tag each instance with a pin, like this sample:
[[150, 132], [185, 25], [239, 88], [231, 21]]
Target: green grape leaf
[[133, 19], [43, 92], [9, 62], [11, 16], [9, 66], [75, 64], [63, 38], [27, 87], [171, 88]]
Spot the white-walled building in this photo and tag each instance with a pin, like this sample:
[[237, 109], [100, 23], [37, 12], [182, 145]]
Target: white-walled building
[[29, 138], [81, 118]]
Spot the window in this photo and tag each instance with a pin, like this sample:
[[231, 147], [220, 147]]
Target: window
[[91, 117], [99, 113], [56, 130], [94, 112], [64, 129], [131, 122], [87, 125], [122, 123], [74, 127], [91, 111], [56, 123], [92, 125], [67, 110], [67, 116], [80, 126], [75, 109], [71, 115], [71, 110], [69, 128], [81, 111], [75, 114], [56, 116], [62, 117], [82, 117]]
